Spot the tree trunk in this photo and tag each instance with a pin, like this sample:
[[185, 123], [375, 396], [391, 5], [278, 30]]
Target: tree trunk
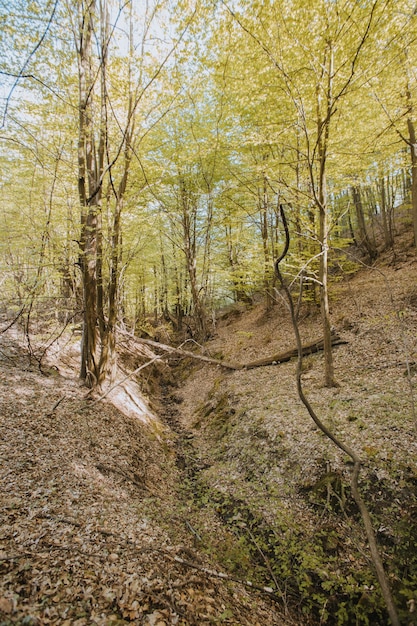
[[386, 221], [189, 226], [364, 239], [329, 379], [413, 151], [323, 131], [86, 187], [263, 206], [237, 277]]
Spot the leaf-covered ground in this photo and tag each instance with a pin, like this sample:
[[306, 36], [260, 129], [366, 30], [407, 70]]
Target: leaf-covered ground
[[89, 532], [280, 484], [111, 515]]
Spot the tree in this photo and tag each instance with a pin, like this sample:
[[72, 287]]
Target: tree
[[394, 86], [108, 138], [315, 53]]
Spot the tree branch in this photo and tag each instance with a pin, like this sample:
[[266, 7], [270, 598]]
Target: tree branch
[[357, 463], [26, 63]]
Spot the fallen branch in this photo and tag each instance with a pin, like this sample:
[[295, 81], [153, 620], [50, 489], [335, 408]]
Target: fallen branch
[[222, 576], [133, 478], [310, 348], [14, 557], [57, 403], [183, 353], [166, 554]]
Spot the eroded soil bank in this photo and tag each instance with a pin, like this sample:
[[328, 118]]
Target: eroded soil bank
[[94, 522]]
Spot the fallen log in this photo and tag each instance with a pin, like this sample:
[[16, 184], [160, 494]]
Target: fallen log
[[276, 359], [184, 353], [310, 348]]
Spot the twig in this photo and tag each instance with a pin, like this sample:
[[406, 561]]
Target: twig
[[13, 557], [267, 563], [14, 320], [195, 533], [167, 554], [63, 520], [57, 403], [215, 574], [128, 476]]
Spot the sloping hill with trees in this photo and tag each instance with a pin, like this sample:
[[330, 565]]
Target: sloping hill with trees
[[143, 506], [176, 178]]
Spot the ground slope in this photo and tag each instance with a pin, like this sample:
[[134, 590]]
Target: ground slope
[[100, 508], [89, 532], [280, 485]]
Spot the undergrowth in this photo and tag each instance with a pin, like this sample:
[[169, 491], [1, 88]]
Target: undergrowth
[[323, 573], [321, 570]]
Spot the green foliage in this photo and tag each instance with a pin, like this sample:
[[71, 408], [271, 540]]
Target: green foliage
[[320, 567], [308, 568], [227, 107]]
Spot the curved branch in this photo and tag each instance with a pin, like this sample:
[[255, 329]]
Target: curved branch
[[357, 463]]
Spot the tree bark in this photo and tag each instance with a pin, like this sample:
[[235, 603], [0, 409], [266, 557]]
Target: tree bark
[[413, 151], [364, 240], [189, 227], [323, 132], [86, 187], [282, 357]]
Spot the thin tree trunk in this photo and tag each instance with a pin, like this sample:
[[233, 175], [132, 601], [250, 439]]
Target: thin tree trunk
[[323, 130], [263, 206], [364, 240], [189, 226], [387, 226], [329, 379], [413, 151]]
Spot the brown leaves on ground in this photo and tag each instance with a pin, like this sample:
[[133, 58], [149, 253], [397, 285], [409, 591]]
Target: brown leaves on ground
[[257, 440], [85, 493]]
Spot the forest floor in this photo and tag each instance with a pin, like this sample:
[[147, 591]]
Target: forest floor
[[111, 518], [93, 528], [279, 483]]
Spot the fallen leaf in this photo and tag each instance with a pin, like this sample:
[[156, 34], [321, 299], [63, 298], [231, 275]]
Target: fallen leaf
[[6, 605]]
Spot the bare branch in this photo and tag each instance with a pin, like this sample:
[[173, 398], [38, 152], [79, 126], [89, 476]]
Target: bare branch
[[26, 63]]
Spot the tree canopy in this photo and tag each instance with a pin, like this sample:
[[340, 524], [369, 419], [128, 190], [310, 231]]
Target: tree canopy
[[147, 149]]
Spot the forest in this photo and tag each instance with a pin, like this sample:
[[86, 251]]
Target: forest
[[209, 311]]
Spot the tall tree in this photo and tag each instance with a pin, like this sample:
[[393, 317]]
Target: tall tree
[[315, 53], [109, 136]]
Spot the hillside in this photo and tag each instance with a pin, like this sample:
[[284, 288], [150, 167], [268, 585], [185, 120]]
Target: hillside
[[112, 519], [279, 483], [92, 528]]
